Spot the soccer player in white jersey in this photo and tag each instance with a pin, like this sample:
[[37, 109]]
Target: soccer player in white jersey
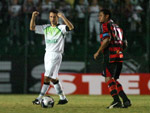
[[54, 40]]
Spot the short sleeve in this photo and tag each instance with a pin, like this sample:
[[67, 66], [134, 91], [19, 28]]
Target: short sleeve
[[63, 29], [104, 30], [39, 29], [104, 35]]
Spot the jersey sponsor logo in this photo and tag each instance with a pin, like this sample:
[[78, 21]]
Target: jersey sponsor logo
[[52, 31], [51, 41]]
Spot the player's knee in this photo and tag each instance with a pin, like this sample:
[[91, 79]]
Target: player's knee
[[107, 79], [46, 79], [54, 81]]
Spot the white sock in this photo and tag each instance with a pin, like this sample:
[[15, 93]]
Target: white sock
[[43, 91], [59, 91]]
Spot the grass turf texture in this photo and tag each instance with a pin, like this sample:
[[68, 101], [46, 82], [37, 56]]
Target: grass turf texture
[[77, 104]]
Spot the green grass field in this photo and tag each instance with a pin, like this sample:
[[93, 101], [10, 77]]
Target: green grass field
[[77, 104]]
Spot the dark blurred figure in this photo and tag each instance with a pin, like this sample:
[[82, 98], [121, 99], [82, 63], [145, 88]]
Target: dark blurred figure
[[15, 12], [3, 14], [46, 6], [4, 28], [136, 20], [93, 20], [66, 8], [28, 8], [80, 10]]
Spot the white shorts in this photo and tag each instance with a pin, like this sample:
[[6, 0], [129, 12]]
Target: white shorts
[[52, 61]]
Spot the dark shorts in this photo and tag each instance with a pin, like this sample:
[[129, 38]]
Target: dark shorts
[[112, 70]]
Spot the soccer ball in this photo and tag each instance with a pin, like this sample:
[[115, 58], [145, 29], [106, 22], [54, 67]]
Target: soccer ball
[[47, 102]]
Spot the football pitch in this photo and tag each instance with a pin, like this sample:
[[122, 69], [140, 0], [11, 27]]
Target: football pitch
[[77, 104]]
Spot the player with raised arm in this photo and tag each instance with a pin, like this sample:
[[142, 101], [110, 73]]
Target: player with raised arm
[[112, 45], [54, 34]]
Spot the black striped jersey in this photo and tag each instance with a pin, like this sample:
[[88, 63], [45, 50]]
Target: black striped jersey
[[113, 52]]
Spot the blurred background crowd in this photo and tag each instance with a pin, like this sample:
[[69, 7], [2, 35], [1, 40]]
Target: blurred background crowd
[[16, 40]]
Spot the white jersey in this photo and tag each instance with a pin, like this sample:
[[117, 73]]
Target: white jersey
[[94, 10], [54, 37]]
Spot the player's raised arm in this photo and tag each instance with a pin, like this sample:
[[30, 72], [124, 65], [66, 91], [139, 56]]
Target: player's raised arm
[[67, 22], [32, 22]]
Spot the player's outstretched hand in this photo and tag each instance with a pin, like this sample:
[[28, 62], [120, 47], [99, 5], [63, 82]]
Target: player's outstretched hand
[[60, 15], [35, 13], [96, 55]]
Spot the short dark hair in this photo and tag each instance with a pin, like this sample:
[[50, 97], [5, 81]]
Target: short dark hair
[[53, 11], [106, 12]]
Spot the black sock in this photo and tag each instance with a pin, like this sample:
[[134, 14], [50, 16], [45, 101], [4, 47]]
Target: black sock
[[121, 92]]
